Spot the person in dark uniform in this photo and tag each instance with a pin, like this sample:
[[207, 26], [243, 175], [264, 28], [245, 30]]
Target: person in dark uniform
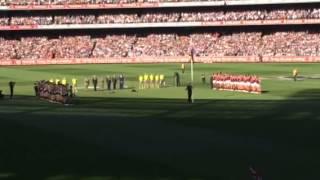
[[114, 81], [203, 78], [102, 83], [71, 91], [211, 82], [36, 91], [95, 82], [189, 90], [1, 95], [108, 80], [11, 85], [177, 79], [121, 81]]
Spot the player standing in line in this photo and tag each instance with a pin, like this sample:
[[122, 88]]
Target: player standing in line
[[156, 78], [161, 78], [140, 82], [95, 82], [64, 81], [295, 74], [102, 83], [145, 81], [114, 81], [108, 79], [57, 81], [151, 78], [182, 68], [86, 83], [74, 86]]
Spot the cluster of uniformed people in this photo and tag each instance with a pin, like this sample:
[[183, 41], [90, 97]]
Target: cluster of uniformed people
[[111, 82], [52, 91], [151, 81], [73, 87], [243, 83]]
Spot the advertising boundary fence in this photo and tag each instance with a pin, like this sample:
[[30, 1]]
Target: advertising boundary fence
[[176, 59]]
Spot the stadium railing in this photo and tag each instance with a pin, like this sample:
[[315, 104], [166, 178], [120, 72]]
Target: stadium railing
[[168, 24]]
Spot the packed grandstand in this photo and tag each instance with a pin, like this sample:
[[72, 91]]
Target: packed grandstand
[[259, 43]]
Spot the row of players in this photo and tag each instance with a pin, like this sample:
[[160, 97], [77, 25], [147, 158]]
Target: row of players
[[145, 81], [243, 83], [151, 81], [110, 81]]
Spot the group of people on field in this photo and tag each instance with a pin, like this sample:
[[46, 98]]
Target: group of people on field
[[72, 87], [108, 82], [54, 92], [151, 81], [242, 83]]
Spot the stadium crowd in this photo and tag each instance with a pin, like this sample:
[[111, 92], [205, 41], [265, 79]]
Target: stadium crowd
[[61, 2], [292, 43], [156, 17]]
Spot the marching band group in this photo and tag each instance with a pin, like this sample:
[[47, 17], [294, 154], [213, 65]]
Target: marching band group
[[242, 83]]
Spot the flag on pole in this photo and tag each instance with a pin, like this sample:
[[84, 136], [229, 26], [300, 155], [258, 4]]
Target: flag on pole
[[192, 55], [254, 174]]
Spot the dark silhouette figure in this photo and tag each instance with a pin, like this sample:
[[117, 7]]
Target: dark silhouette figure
[[114, 81], [203, 78], [108, 80], [189, 90], [95, 82], [71, 91], [121, 81], [11, 85], [1, 95], [177, 79], [36, 91]]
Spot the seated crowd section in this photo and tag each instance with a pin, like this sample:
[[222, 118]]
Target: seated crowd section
[[61, 2], [157, 17], [292, 43]]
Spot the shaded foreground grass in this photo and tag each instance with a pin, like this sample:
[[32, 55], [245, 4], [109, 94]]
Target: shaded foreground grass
[[154, 134], [125, 138]]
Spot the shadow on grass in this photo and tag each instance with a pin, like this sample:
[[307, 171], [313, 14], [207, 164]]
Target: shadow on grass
[[119, 138]]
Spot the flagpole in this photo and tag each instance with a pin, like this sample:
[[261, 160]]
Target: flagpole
[[191, 66]]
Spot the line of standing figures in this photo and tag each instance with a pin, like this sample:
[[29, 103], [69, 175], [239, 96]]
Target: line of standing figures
[[111, 82]]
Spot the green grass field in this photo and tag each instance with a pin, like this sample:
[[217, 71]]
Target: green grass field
[[155, 134]]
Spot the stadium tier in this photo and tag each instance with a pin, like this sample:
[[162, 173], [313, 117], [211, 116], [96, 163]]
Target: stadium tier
[[214, 17], [96, 4], [146, 46]]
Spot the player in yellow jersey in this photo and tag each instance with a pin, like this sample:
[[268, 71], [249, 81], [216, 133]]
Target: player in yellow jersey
[[161, 77], [156, 79], [295, 74], [74, 86], [64, 81], [140, 82], [57, 81], [182, 68], [145, 80], [51, 80], [151, 78]]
